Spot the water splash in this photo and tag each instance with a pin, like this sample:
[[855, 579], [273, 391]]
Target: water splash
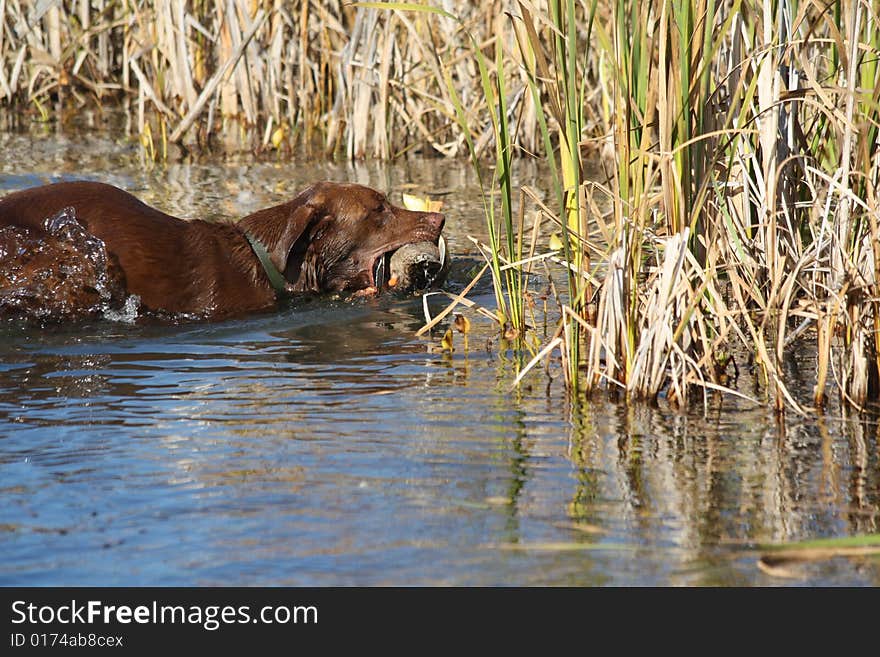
[[59, 273], [129, 312]]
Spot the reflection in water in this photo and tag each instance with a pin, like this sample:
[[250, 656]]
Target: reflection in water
[[737, 481], [325, 444]]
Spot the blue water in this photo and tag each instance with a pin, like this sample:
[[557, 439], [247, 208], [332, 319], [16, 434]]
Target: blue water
[[327, 445]]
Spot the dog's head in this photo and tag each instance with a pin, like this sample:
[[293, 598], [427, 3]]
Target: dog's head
[[337, 237]]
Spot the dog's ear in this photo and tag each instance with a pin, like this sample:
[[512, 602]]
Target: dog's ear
[[283, 230]]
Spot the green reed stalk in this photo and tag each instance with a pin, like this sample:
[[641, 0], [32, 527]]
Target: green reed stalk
[[505, 237], [485, 195], [572, 83], [512, 275]]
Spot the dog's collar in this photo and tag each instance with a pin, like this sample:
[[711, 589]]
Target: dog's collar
[[279, 284]]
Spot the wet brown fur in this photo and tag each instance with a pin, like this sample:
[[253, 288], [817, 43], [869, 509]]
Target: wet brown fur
[[326, 239]]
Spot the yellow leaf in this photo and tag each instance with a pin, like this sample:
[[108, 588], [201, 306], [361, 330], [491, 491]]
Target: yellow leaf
[[278, 137], [419, 204], [463, 325], [446, 342]]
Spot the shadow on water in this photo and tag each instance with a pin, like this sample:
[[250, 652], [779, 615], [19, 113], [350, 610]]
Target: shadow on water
[[327, 445]]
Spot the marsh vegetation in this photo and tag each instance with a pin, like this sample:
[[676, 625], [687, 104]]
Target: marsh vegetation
[[738, 215]]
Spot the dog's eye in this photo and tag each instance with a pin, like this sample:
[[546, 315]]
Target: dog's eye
[[382, 212]]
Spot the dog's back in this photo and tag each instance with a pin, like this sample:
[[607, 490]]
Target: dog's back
[[173, 265]]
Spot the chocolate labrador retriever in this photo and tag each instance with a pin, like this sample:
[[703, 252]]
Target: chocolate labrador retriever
[[333, 237]]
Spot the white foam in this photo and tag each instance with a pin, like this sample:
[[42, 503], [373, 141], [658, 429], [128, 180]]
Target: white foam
[[128, 314]]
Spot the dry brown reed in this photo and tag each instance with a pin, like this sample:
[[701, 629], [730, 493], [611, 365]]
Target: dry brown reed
[[353, 80]]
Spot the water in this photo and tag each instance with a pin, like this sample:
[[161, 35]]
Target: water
[[325, 444]]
